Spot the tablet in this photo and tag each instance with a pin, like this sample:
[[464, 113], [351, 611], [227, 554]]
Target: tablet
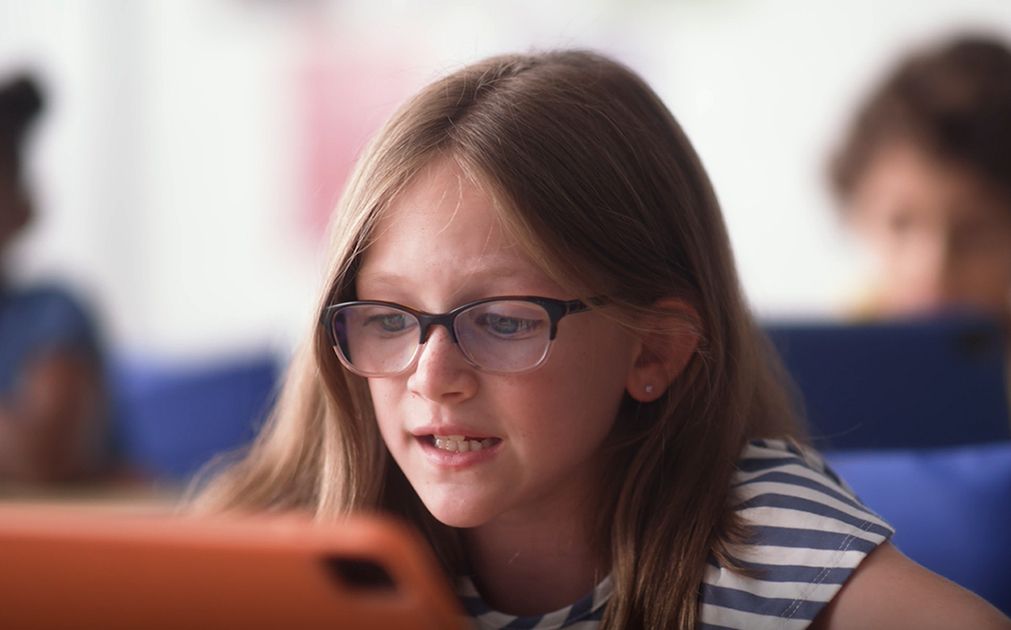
[[911, 384], [67, 567]]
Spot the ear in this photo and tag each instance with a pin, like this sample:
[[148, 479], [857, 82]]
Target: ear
[[663, 354]]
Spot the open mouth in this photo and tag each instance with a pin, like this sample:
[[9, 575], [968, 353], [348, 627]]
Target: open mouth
[[462, 443]]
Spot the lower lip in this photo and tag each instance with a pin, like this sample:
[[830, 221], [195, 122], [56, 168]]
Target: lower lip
[[449, 459]]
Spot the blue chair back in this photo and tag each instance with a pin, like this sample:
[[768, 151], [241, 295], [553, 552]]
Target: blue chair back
[[951, 509], [172, 419]]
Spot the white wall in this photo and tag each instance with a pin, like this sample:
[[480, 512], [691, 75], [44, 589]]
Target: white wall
[[765, 90], [163, 171], [169, 169]]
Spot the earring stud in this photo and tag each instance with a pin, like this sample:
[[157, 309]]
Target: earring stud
[[649, 389]]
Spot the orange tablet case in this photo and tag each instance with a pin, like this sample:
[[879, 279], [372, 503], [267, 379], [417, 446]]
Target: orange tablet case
[[66, 567]]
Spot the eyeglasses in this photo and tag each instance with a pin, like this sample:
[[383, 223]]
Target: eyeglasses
[[502, 335]]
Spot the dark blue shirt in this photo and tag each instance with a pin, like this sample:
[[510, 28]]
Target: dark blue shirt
[[35, 322]]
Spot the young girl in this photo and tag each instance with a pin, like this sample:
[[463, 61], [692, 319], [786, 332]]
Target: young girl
[[533, 347]]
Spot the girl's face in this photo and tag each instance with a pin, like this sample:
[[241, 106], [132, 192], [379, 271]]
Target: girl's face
[[942, 235], [439, 246]]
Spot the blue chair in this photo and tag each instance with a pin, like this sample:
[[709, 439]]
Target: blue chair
[[172, 419], [914, 416], [951, 509]]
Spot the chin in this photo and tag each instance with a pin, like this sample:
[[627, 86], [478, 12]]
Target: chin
[[455, 512]]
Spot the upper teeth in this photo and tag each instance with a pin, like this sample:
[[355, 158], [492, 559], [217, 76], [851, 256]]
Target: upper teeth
[[460, 444]]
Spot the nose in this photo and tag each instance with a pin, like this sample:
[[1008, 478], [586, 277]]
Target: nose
[[442, 374], [926, 279], [947, 272], [936, 270]]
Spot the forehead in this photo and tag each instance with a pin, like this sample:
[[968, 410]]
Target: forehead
[[446, 230], [913, 179], [445, 197]]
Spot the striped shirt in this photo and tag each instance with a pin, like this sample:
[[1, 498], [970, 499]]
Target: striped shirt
[[809, 534]]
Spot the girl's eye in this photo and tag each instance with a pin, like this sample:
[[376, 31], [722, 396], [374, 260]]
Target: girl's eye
[[507, 326], [389, 322], [901, 223]]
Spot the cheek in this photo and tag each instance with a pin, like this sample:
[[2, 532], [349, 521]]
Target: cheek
[[988, 276], [991, 253], [387, 402], [583, 384], [558, 424]]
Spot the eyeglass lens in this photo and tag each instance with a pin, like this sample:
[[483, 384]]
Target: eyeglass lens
[[499, 336]]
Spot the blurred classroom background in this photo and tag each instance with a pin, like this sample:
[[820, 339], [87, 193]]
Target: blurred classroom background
[[190, 152], [191, 149]]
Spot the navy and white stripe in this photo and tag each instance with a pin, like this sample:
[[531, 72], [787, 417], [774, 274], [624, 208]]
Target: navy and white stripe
[[809, 532], [583, 615]]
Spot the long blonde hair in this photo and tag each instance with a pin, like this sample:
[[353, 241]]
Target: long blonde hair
[[596, 178]]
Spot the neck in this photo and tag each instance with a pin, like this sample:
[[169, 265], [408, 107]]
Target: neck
[[535, 563]]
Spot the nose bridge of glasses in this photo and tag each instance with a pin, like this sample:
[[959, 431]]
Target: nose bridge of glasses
[[427, 321]]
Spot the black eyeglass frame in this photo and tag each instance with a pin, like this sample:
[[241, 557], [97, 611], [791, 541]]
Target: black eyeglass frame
[[556, 310]]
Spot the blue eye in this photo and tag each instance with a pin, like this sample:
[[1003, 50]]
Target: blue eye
[[507, 326], [390, 322]]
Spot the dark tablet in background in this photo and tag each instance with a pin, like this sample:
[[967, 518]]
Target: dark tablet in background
[[913, 384]]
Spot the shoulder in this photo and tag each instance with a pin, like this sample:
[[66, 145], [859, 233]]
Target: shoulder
[[807, 534], [41, 321], [44, 297], [888, 590], [779, 484], [46, 311]]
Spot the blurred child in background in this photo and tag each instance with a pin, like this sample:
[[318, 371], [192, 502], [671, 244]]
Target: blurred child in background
[[53, 407], [924, 177]]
